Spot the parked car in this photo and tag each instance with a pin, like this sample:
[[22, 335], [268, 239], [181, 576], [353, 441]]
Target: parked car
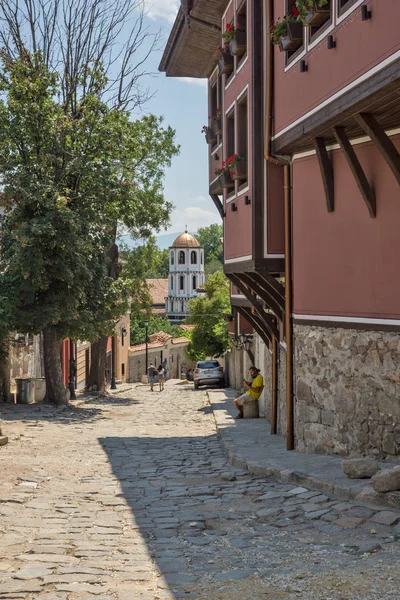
[[208, 371]]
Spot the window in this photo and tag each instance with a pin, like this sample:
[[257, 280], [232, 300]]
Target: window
[[181, 257], [293, 43], [123, 369], [318, 21], [181, 282], [172, 283], [214, 124], [343, 5], [172, 258], [182, 307], [230, 134], [242, 141], [194, 282], [193, 257], [201, 257], [240, 46]]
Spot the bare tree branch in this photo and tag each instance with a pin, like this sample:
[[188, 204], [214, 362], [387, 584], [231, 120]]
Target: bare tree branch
[[77, 37]]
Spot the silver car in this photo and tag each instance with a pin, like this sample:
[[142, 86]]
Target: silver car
[[208, 371]]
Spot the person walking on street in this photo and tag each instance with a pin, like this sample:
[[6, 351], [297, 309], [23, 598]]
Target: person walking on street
[[152, 374], [165, 367], [161, 377]]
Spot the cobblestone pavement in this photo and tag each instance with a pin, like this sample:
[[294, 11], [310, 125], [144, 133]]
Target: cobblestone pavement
[[130, 497]]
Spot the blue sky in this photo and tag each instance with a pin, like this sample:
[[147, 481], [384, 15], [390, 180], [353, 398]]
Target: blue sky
[[183, 104]]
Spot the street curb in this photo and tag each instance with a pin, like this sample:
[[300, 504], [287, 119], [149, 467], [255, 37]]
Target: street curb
[[286, 475]]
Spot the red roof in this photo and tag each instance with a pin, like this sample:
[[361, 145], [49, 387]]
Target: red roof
[[158, 289], [158, 340], [181, 340]]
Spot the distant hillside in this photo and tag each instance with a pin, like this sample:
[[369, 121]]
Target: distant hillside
[[164, 240]]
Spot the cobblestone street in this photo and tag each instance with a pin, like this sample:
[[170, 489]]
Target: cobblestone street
[[131, 497]]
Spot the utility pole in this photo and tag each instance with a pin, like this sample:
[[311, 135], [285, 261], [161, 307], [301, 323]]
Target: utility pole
[[146, 324], [72, 368], [113, 349]]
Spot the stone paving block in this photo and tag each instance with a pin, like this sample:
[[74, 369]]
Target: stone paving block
[[316, 514], [32, 572], [349, 522], [265, 513], [386, 517], [298, 490]]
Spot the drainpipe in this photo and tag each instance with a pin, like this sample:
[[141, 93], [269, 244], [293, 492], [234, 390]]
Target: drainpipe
[[288, 233], [288, 312], [274, 404]]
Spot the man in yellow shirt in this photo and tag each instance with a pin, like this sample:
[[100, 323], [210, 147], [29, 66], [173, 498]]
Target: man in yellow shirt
[[254, 389]]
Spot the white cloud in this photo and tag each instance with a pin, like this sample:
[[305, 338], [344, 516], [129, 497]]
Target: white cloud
[[194, 81], [166, 10], [194, 217]]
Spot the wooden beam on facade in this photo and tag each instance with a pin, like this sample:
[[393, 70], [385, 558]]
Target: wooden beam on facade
[[263, 280], [382, 141], [218, 205], [255, 323], [258, 289], [326, 172], [356, 168], [266, 319]]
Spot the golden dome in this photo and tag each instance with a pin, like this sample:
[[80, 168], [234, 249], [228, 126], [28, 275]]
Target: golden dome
[[186, 240]]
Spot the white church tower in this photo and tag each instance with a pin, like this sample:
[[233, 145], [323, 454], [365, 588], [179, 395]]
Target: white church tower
[[186, 276]]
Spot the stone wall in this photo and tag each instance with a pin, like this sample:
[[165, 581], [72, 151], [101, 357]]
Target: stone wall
[[281, 390], [345, 402]]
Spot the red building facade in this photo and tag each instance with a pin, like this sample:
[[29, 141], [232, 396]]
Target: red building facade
[[311, 210]]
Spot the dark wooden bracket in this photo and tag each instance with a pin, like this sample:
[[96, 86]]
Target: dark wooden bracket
[[356, 168], [326, 172], [255, 323], [266, 320], [382, 141], [218, 205], [258, 289]]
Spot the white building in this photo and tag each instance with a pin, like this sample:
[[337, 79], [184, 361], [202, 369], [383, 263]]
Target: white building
[[186, 276]]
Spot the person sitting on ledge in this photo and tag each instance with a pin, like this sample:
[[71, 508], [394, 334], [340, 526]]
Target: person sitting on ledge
[[254, 389]]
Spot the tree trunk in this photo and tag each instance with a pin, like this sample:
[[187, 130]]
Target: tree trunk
[[4, 371], [97, 374], [99, 348], [56, 392]]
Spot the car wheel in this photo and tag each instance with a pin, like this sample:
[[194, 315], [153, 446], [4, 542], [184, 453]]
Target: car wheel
[[222, 383], [196, 385]]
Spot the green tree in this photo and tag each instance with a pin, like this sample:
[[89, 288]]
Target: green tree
[[69, 173], [210, 238], [156, 260], [210, 335]]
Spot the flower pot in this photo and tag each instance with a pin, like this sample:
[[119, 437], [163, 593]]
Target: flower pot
[[225, 180], [318, 16], [211, 138], [225, 64], [238, 45], [239, 171], [293, 39], [217, 126]]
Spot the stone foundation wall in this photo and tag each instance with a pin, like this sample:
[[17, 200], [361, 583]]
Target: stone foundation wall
[[281, 391], [266, 369], [345, 403]]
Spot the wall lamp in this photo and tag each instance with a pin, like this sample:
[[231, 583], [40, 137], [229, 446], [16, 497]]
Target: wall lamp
[[303, 66], [233, 207], [331, 43], [247, 200], [365, 13]]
